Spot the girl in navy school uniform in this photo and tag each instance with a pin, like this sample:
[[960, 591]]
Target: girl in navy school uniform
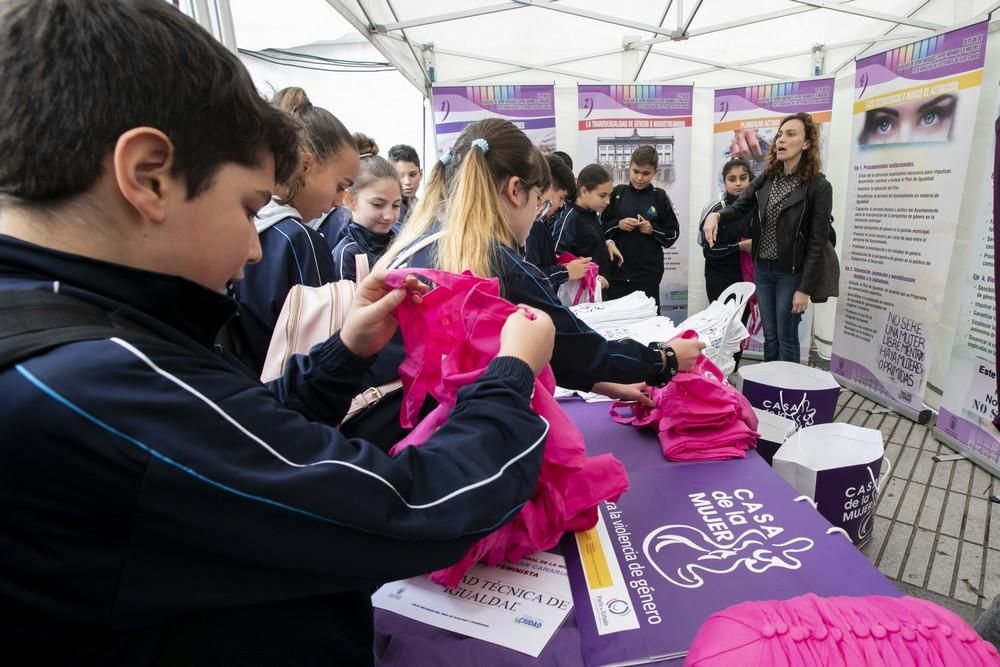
[[539, 249], [580, 231], [293, 252], [374, 201], [476, 212]]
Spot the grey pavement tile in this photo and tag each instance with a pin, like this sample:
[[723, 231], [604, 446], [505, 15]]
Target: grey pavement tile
[[968, 583], [976, 517], [993, 536], [930, 512], [915, 438], [942, 474], [923, 468], [943, 565], [982, 482], [874, 546], [961, 476], [888, 426], [902, 465], [902, 432], [895, 550], [913, 500], [919, 558], [892, 452], [954, 514], [991, 586], [890, 497]]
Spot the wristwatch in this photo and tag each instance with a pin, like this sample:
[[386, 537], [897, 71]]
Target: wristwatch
[[670, 368]]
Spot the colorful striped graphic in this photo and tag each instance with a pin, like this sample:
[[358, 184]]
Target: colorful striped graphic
[[768, 91], [904, 56]]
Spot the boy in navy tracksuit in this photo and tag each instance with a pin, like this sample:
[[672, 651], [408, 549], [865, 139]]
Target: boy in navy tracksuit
[[407, 163], [641, 221], [158, 505]]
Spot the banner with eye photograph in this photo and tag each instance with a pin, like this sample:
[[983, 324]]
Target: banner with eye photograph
[[531, 108], [746, 120], [614, 120], [914, 114], [969, 403]]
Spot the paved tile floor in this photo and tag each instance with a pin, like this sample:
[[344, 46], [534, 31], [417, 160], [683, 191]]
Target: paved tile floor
[[936, 535]]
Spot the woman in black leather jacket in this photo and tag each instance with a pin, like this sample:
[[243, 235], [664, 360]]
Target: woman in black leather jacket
[[793, 201]]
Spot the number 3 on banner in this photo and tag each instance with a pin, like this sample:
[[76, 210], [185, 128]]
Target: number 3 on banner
[[724, 108]]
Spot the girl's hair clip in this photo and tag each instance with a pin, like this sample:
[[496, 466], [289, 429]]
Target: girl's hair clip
[[481, 144], [446, 158], [364, 155]]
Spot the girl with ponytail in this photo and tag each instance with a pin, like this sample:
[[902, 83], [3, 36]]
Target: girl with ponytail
[[293, 251], [480, 203]]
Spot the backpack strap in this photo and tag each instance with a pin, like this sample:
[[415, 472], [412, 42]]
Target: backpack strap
[[361, 267], [33, 321]]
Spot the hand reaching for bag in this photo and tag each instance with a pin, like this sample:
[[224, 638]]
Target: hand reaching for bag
[[529, 335], [687, 351], [577, 268], [371, 323], [634, 393]]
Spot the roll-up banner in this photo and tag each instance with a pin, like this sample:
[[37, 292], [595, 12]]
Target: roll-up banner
[[914, 113], [614, 120], [531, 108], [746, 120], [969, 402]]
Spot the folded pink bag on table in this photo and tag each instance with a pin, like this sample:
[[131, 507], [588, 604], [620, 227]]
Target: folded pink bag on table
[[450, 338], [810, 631], [698, 416]]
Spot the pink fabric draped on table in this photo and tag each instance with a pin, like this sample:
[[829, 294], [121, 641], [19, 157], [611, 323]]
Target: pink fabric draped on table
[[450, 338]]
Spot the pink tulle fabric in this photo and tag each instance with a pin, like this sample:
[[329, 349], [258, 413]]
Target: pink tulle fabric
[[698, 416], [450, 338], [587, 290], [754, 323], [810, 631]]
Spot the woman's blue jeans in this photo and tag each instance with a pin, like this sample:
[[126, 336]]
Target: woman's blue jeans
[[775, 290]]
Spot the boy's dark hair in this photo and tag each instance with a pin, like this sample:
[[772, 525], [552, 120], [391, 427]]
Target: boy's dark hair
[[562, 177], [404, 153], [77, 74], [565, 158], [645, 156], [592, 176]]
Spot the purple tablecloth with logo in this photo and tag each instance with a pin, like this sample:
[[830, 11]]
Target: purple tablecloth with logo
[[401, 642]]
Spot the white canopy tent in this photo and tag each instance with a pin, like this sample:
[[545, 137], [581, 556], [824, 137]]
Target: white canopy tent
[[373, 62]]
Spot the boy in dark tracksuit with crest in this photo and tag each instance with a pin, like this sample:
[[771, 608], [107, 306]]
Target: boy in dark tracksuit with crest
[[641, 221]]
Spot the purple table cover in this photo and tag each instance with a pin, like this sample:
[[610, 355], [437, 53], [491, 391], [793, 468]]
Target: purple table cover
[[403, 642]]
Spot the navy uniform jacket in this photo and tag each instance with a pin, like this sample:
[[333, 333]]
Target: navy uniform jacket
[[293, 254], [642, 253], [332, 226], [540, 251], [355, 241], [579, 232], [157, 504]]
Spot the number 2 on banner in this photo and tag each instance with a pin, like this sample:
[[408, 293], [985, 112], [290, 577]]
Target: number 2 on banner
[[588, 104]]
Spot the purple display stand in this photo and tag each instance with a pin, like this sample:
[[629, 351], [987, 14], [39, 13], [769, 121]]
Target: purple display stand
[[804, 394], [401, 642]]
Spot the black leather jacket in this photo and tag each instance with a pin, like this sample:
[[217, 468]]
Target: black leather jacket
[[803, 225]]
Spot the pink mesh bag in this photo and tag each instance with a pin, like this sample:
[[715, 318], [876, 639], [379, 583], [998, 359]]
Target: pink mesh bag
[[450, 339], [811, 631]]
